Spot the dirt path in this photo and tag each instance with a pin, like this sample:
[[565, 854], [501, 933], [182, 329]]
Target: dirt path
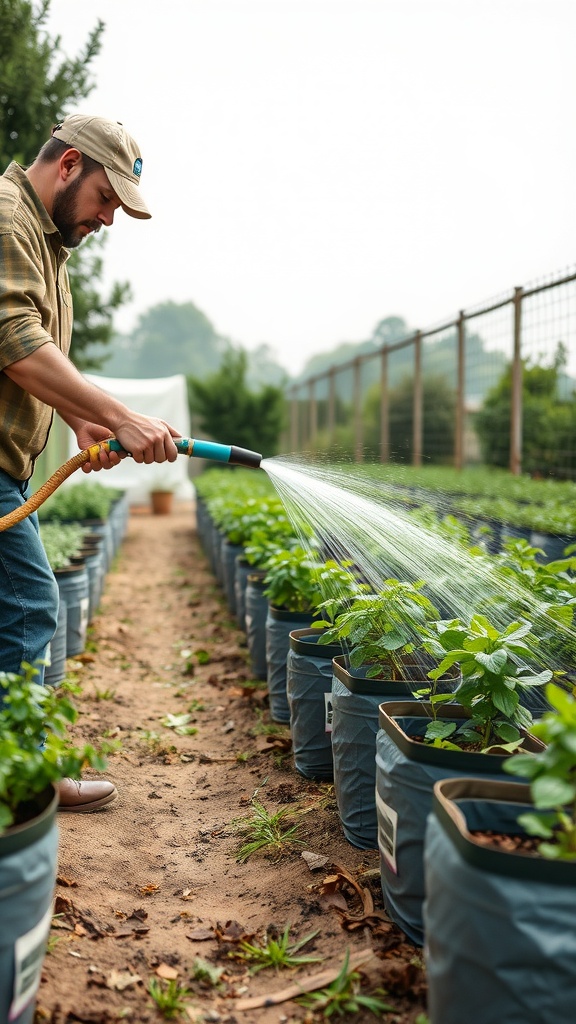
[[153, 883]]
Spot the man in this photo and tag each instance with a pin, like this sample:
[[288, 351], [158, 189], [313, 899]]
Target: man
[[88, 169]]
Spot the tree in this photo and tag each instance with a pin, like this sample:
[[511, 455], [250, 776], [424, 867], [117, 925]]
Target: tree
[[36, 82], [37, 85], [227, 410], [174, 338], [92, 313], [438, 420], [547, 421]]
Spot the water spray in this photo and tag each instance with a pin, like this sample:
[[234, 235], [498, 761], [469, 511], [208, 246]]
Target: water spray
[[223, 453]]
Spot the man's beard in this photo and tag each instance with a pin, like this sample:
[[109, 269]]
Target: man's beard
[[64, 214]]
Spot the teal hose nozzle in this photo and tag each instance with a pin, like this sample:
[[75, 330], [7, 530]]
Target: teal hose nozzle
[[229, 453]]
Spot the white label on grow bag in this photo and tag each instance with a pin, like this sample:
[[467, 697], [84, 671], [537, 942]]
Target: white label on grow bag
[[328, 712], [84, 606], [29, 952], [387, 829]]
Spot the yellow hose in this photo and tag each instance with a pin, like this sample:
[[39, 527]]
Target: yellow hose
[[57, 478]]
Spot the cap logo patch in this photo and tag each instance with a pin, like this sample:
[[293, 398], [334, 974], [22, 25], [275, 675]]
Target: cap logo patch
[[137, 169]]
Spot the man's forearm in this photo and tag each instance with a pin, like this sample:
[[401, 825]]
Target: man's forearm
[[51, 377]]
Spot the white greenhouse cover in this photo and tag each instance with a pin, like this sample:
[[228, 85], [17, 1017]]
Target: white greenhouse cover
[[166, 398]]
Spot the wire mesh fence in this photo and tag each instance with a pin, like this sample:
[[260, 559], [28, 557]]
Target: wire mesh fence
[[496, 386]]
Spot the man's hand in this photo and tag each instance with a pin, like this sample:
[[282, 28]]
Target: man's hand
[[147, 439], [89, 434]]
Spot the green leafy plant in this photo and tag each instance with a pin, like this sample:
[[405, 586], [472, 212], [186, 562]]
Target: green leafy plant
[[34, 748], [62, 542], [169, 997], [77, 503], [180, 724], [345, 995], [552, 776], [338, 586], [380, 630], [276, 952], [492, 681], [206, 973], [265, 831], [291, 580]]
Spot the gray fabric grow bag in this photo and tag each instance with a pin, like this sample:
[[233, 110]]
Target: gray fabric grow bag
[[28, 862], [309, 691], [242, 570], [279, 625], [229, 554], [74, 589], [406, 771], [501, 927], [256, 610], [55, 672], [355, 704]]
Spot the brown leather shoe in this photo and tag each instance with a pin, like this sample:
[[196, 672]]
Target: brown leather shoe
[[85, 796]]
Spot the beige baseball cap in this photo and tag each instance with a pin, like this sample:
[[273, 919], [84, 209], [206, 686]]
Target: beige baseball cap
[[109, 143]]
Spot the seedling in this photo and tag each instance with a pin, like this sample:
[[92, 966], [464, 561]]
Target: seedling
[[552, 776], [263, 728], [344, 996], [169, 997], [196, 705], [264, 831], [206, 973], [104, 694], [276, 952], [491, 681]]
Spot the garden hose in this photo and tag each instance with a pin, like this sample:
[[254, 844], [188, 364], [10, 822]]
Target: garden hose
[[231, 454]]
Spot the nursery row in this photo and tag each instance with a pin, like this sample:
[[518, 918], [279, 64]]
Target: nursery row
[[420, 720], [82, 527]]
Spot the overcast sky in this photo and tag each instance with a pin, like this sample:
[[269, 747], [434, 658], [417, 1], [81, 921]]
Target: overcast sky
[[313, 166]]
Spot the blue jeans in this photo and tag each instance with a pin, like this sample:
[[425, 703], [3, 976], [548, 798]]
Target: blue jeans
[[28, 589]]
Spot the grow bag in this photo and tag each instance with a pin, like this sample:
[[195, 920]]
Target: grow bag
[[74, 589], [229, 554], [501, 927], [256, 610], [93, 560], [55, 670], [406, 771], [242, 570], [279, 625], [355, 704], [309, 692], [28, 862], [551, 544]]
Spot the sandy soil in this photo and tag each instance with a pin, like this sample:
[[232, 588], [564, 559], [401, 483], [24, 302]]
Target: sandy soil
[[152, 887]]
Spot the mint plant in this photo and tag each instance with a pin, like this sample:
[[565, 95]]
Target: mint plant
[[552, 776], [493, 678], [378, 630]]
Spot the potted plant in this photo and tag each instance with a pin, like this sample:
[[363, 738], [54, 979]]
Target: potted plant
[[34, 755], [62, 543], [291, 588], [471, 731], [382, 636], [500, 909], [309, 672], [274, 534], [162, 497]]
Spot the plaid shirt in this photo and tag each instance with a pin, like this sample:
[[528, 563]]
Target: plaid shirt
[[35, 308]]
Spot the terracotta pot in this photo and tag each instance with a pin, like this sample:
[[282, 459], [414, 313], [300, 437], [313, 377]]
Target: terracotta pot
[[161, 502]]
